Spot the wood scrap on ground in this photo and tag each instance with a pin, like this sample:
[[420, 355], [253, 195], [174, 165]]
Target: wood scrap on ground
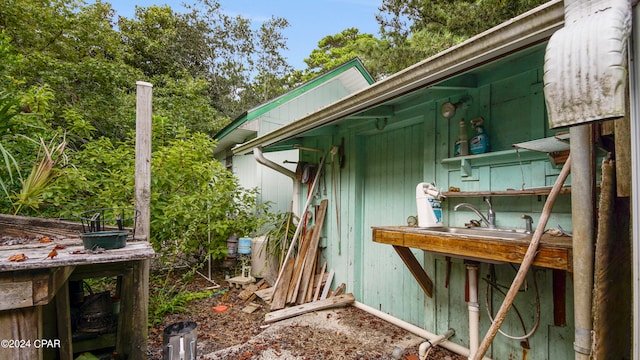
[[311, 254], [279, 298], [250, 290], [319, 281], [296, 277], [327, 285], [335, 301], [300, 283], [251, 307], [265, 294]]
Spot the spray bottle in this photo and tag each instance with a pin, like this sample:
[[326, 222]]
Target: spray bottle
[[480, 141], [461, 146], [428, 198]]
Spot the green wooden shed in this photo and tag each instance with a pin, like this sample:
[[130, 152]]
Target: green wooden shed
[[536, 82]]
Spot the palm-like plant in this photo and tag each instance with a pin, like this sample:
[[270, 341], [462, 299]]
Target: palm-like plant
[[43, 171]]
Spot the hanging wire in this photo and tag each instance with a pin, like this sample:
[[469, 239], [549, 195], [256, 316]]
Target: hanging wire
[[496, 286], [521, 167]]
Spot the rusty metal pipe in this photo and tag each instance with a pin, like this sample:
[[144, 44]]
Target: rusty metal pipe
[[583, 223]]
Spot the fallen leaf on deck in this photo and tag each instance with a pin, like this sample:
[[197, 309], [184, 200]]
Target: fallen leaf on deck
[[45, 239], [52, 254], [18, 257]]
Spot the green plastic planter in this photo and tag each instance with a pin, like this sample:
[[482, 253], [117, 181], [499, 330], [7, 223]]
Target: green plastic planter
[[105, 239]]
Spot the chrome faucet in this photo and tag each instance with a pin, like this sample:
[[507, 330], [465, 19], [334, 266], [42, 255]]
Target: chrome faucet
[[489, 220], [529, 223]]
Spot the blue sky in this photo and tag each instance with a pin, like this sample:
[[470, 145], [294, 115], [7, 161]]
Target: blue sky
[[309, 21]]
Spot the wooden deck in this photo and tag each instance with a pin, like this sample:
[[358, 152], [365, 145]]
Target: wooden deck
[[73, 254], [27, 287]]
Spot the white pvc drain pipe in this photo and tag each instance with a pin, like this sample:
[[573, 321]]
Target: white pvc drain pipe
[[449, 345]]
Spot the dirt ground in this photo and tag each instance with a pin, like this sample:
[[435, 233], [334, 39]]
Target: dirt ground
[[340, 333]]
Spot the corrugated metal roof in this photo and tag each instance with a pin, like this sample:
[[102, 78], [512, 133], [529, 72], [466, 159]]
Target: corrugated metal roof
[[523, 31]]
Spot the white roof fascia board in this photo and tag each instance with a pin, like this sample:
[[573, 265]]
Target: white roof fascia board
[[525, 30]]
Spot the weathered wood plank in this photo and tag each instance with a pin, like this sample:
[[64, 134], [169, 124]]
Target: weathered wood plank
[[529, 192], [319, 282], [140, 309], [16, 295], [327, 285], [310, 283], [66, 257], [331, 302], [312, 252], [340, 289], [63, 311], [144, 94], [265, 294], [296, 277], [279, 297], [20, 324], [35, 226]]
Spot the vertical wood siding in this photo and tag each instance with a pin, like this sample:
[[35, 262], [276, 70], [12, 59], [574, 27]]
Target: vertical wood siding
[[393, 168], [377, 187]]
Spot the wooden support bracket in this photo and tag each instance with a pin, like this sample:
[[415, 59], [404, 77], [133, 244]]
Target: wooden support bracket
[[416, 269]]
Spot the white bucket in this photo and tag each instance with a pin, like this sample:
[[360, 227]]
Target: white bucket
[[262, 266]]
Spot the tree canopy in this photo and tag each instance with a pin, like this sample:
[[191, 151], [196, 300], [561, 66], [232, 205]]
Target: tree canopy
[[67, 96]]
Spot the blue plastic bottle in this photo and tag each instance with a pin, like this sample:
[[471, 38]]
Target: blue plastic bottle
[[479, 143]]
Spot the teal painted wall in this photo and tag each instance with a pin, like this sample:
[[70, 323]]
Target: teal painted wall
[[385, 160]]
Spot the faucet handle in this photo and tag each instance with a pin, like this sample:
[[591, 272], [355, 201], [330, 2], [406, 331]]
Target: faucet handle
[[491, 215], [529, 222]]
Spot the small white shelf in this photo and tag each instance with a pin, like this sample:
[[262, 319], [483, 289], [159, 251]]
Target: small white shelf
[[557, 143]]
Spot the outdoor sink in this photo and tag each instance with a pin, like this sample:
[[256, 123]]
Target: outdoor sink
[[508, 234]]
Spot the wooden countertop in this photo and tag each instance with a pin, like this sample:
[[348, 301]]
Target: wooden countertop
[[554, 252], [73, 254]]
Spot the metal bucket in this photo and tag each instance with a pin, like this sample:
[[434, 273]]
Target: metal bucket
[[180, 341], [232, 245]]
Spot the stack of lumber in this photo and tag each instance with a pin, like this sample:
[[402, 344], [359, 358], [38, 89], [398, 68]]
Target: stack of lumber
[[300, 283]]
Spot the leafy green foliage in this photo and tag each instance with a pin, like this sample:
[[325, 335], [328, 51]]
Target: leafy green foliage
[[168, 296], [7, 112], [417, 29], [280, 234], [197, 203], [163, 302], [334, 50]]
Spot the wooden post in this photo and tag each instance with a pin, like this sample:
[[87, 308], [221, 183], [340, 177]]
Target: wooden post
[[140, 280], [140, 309], [64, 321], [143, 158]]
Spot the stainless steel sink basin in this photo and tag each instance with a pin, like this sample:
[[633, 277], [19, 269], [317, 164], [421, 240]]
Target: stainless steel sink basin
[[510, 234]]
